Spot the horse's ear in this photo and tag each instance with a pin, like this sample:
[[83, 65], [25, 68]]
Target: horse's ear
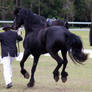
[[16, 10]]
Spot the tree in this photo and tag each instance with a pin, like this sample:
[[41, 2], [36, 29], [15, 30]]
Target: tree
[[89, 8], [68, 10], [73, 10], [80, 10], [39, 7], [18, 3], [3, 4]]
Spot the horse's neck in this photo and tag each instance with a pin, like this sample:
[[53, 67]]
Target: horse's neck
[[27, 26], [26, 33], [29, 30], [30, 27]]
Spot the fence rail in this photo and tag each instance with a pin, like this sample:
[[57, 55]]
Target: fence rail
[[6, 21], [68, 22], [79, 22]]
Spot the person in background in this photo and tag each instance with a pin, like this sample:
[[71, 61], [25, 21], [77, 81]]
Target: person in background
[[90, 35], [8, 40]]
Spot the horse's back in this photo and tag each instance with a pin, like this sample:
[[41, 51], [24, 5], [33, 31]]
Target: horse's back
[[58, 31], [56, 37], [39, 41]]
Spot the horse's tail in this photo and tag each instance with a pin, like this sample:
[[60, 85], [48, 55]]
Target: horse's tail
[[76, 50]]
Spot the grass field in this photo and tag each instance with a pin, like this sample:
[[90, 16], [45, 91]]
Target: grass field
[[79, 79], [84, 35]]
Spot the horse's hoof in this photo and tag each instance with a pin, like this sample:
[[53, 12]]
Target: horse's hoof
[[30, 84], [56, 78], [64, 79], [26, 75]]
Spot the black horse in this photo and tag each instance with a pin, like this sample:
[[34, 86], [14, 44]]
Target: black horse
[[39, 40]]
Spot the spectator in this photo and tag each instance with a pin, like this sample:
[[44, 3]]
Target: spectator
[[90, 35]]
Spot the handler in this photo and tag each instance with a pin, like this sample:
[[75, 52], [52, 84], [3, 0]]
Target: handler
[[8, 40]]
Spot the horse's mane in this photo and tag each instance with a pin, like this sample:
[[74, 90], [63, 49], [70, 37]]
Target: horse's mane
[[30, 16], [23, 12]]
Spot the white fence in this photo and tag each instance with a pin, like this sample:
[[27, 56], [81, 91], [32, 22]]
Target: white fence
[[79, 22], [6, 22], [68, 22], [86, 23]]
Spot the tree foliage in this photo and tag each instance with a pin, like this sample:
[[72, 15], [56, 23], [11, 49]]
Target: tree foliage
[[73, 10]]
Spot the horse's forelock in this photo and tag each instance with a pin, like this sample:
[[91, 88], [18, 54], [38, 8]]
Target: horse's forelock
[[25, 12], [16, 11]]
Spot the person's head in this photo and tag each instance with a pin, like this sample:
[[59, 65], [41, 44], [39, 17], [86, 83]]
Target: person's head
[[6, 27]]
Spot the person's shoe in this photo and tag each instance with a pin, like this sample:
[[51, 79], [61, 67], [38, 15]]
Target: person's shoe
[[9, 85]]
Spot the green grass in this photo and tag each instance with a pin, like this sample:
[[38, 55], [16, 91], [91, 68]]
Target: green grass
[[84, 35], [79, 79]]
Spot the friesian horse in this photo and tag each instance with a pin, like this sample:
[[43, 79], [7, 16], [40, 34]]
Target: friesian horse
[[40, 40]]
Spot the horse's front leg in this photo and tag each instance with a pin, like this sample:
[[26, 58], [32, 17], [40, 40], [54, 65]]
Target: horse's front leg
[[23, 71], [32, 80], [64, 74]]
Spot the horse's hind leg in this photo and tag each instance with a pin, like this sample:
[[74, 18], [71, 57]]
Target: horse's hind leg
[[59, 63], [23, 71], [64, 74], [32, 80]]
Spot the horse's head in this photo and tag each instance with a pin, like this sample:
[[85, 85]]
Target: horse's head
[[18, 18]]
